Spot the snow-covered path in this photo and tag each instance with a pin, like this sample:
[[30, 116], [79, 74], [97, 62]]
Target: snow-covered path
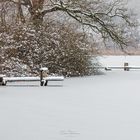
[[105, 107]]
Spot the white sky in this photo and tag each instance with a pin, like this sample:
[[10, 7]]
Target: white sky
[[135, 4]]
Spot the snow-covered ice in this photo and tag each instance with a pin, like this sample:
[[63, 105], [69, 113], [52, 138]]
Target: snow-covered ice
[[120, 60], [101, 107]]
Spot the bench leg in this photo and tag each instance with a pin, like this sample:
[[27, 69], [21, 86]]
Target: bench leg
[[46, 83], [41, 83], [4, 83]]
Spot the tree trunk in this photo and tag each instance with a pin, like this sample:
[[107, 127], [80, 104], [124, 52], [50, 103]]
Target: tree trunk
[[20, 16], [36, 12], [2, 15]]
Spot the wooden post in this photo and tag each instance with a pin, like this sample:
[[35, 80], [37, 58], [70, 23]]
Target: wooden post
[[1, 80], [43, 83], [41, 78], [126, 66]]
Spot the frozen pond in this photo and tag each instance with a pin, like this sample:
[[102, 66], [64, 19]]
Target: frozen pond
[[120, 60], [104, 107]]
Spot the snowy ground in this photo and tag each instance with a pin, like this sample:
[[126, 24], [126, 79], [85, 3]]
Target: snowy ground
[[105, 107]]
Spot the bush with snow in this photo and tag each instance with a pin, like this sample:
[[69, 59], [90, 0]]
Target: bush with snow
[[64, 50]]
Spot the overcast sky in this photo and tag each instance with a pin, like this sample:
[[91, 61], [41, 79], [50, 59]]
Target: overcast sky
[[135, 4]]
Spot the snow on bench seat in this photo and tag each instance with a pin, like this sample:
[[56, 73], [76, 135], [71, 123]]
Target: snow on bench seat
[[43, 82], [54, 78], [16, 79], [49, 78]]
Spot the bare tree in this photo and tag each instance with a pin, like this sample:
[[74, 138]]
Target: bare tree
[[103, 17]]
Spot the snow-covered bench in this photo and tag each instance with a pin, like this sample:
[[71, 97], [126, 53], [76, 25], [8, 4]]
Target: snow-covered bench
[[43, 82]]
